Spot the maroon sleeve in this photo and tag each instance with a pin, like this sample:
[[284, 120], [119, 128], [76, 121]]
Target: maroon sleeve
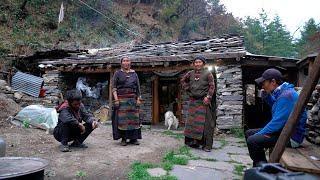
[[211, 85]]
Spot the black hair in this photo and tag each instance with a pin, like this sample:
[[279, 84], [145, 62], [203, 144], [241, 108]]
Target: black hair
[[73, 95], [123, 58]]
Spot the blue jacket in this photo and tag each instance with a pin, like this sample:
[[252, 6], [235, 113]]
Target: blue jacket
[[282, 101]]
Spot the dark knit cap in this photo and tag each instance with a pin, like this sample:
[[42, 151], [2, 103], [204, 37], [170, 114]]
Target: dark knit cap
[[203, 59]]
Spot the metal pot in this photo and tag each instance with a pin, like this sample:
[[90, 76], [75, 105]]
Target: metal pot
[[22, 168]]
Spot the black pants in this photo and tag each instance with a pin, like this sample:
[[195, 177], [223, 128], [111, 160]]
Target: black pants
[[257, 143], [65, 133]]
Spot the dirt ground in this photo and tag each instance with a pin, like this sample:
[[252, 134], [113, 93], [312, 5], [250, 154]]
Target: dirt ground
[[104, 159]]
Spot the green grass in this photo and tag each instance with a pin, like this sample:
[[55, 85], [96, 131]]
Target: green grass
[[139, 172], [171, 158], [174, 135], [238, 132], [238, 169], [223, 143], [81, 174]]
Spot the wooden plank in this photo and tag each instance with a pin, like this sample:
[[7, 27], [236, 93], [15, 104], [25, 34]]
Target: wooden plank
[[308, 150], [293, 160], [304, 97], [110, 93], [155, 101], [145, 59], [138, 69]]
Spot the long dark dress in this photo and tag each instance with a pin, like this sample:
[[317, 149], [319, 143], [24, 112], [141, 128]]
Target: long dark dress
[[125, 118], [200, 123]]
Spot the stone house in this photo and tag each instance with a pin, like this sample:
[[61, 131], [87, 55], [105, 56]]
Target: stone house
[[160, 67]]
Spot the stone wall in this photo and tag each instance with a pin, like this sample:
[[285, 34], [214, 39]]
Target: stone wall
[[313, 124], [51, 84], [146, 107], [229, 97]]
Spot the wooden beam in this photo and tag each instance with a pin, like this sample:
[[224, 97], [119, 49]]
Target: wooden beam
[[110, 93], [145, 59], [304, 96], [155, 101], [138, 69]]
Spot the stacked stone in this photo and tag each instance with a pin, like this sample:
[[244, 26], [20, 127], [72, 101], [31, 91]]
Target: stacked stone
[[313, 124], [51, 84], [23, 99], [146, 107], [229, 97]]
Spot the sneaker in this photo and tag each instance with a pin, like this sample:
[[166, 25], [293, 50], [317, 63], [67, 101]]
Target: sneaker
[[64, 148], [134, 141], [76, 144]]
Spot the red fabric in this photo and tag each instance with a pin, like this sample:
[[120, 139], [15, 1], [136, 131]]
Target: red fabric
[[63, 105]]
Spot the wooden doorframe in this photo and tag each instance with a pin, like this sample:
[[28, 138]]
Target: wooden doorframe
[[155, 101]]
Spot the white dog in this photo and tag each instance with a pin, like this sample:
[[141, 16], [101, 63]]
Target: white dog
[[171, 120]]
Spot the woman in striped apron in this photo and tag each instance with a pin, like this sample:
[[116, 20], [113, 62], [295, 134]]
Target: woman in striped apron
[[199, 84], [127, 99]]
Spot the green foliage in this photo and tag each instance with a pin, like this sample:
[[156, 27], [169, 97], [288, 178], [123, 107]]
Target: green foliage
[[310, 38], [268, 37], [139, 172], [174, 135], [26, 124], [223, 143], [81, 174], [238, 169], [238, 132]]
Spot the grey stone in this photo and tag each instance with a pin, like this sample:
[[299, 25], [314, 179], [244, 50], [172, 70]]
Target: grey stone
[[217, 154], [232, 103], [3, 83], [230, 107], [226, 93], [224, 119], [235, 150], [232, 70], [232, 98], [216, 144], [227, 126], [230, 89], [242, 159], [157, 172], [217, 165], [199, 173], [17, 95]]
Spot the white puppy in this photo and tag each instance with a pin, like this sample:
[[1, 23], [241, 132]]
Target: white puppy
[[171, 120]]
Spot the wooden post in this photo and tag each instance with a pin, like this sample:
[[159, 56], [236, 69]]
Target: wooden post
[[155, 101], [110, 93], [304, 96]]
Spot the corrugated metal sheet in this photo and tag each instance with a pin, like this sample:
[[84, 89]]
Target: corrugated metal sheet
[[27, 83]]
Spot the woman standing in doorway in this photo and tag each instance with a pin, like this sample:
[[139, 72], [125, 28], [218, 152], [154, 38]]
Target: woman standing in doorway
[[127, 99], [199, 84]]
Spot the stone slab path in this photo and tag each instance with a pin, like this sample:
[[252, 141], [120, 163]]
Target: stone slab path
[[227, 160]]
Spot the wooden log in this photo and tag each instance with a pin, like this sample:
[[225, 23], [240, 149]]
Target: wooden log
[[110, 92], [304, 96], [155, 101]]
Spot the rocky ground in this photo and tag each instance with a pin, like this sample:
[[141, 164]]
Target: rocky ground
[[104, 159]]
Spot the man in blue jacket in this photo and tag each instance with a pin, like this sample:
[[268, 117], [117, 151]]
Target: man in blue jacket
[[281, 97]]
